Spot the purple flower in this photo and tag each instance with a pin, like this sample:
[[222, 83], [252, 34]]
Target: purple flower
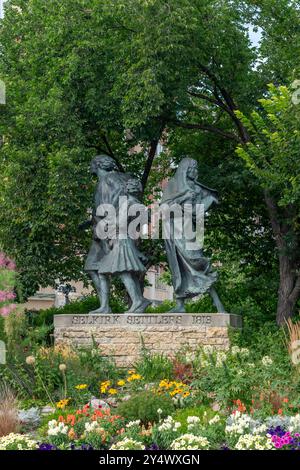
[[278, 431], [224, 447], [153, 447], [46, 446]]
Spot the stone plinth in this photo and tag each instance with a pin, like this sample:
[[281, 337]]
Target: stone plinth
[[121, 335]]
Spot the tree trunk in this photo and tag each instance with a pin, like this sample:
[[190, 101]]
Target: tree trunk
[[289, 262], [289, 289]]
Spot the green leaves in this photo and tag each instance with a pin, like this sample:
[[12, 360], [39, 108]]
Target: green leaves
[[273, 154]]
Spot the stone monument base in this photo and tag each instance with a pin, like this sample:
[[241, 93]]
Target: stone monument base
[[122, 335]]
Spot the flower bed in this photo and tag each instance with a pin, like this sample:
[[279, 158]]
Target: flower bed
[[237, 400]]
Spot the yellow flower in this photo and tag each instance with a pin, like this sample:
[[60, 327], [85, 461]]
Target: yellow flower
[[130, 372], [71, 434], [134, 377], [81, 386], [107, 383], [62, 403], [121, 383], [112, 391], [104, 386], [186, 394]]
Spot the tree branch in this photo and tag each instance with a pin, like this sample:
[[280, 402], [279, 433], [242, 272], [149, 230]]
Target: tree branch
[[209, 128], [231, 106], [152, 151], [111, 153], [294, 296], [149, 162]]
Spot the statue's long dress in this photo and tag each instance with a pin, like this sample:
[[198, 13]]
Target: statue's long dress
[[124, 256], [190, 269], [108, 191]]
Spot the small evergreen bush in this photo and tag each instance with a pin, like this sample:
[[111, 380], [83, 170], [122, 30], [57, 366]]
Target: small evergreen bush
[[144, 407]]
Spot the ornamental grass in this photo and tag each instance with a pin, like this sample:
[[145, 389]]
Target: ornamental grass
[[9, 422]]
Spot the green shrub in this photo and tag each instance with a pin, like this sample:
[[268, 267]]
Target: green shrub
[[2, 332], [202, 412], [164, 307], [80, 307], [44, 318], [144, 406], [242, 374], [154, 367], [82, 366]]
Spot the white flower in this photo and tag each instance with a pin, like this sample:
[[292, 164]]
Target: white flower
[[244, 352], [294, 424], [133, 423], [260, 429], [92, 427], [128, 444], [193, 420], [17, 9], [159, 411], [52, 423], [267, 361], [214, 420], [30, 360], [221, 358], [208, 349], [190, 442], [250, 442], [55, 428], [190, 357], [204, 362], [238, 424], [14, 441], [235, 350], [169, 425]]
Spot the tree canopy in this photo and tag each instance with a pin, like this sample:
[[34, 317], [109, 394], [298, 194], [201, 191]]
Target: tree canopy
[[91, 76]]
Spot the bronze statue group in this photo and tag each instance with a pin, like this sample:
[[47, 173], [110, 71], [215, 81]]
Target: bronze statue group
[[120, 256]]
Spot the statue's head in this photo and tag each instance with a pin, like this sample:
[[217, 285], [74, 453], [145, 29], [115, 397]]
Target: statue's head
[[188, 168], [103, 162], [134, 187]]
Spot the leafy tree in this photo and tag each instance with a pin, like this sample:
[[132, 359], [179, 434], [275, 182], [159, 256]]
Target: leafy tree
[[273, 158], [78, 76], [91, 76]]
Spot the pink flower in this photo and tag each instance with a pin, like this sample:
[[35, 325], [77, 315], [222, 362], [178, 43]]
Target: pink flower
[[6, 296], [7, 309], [11, 265], [2, 259], [6, 262]]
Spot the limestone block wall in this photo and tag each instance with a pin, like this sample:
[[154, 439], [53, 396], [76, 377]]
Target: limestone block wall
[[122, 335]]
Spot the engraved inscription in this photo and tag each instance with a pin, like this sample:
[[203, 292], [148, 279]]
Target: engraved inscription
[[142, 320], [95, 319], [202, 320], [154, 319]]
